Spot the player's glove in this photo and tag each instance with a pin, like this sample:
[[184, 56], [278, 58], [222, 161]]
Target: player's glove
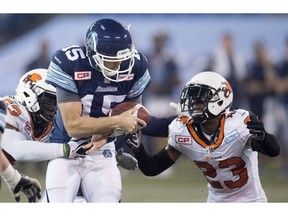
[[20, 183], [30, 187], [256, 128], [133, 140], [125, 160], [177, 108], [75, 149]]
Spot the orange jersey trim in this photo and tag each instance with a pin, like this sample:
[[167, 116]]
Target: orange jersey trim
[[201, 142]]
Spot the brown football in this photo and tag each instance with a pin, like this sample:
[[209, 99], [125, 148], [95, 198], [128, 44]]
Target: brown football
[[141, 112]]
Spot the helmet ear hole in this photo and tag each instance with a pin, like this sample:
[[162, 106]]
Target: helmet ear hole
[[220, 103]]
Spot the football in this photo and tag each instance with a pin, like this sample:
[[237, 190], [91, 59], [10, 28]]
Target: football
[[141, 112]]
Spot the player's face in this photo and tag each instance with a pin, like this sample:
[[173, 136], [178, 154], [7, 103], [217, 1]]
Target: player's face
[[112, 65], [48, 107], [198, 106]]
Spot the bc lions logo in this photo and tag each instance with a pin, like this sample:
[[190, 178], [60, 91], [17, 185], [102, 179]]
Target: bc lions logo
[[33, 78], [227, 89]]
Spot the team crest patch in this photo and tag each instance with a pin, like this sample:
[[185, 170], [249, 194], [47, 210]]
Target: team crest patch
[[82, 75], [107, 153]]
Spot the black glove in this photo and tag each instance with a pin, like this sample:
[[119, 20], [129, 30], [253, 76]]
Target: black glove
[[125, 160], [133, 141], [30, 187], [256, 128]]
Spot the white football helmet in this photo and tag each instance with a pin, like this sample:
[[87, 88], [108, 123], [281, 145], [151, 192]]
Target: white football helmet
[[37, 96], [206, 96]]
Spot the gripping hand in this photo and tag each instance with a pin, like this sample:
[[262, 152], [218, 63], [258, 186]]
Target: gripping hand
[[75, 149], [29, 186], [256, 128], [133, 141], [125, 160]]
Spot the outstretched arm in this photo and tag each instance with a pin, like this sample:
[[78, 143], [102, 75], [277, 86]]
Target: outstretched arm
[[152, 165], [158, 127]]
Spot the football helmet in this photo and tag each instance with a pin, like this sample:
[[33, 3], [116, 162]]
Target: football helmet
[[37, 96], [206, 96], [110, 50]]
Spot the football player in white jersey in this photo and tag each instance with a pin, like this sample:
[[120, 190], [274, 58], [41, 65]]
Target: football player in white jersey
[[224, 144], [30, 120], [16, 182]]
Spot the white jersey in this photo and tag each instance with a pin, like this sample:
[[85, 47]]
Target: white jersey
[[228, 163], [21, 144], [19, 117]]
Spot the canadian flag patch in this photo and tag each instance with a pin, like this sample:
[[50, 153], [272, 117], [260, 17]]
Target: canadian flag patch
[[82, 75]]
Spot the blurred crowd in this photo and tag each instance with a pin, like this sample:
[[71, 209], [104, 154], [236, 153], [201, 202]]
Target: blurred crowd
[[260, 84], [15, 25]]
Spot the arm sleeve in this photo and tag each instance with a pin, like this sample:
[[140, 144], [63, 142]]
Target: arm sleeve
[[158, 127], [152, 165], [66, 96], [16, 145], [269, 146]]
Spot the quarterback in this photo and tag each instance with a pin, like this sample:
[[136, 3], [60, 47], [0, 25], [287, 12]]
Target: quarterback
[[89, 81]]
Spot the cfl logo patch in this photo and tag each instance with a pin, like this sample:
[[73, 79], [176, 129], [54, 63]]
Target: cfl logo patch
[[186, 140], [83, 75]]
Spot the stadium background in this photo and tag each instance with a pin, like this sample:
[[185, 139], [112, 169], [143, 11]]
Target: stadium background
[[194, 37]]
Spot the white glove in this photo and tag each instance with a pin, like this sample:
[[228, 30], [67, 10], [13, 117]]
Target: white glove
[[19, 183], [74, 149], [177, 108], [125, 160]]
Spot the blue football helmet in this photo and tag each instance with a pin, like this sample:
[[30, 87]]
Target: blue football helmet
[[108, 43]]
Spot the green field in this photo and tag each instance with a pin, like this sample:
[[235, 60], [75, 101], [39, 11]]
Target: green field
[[185, 184]]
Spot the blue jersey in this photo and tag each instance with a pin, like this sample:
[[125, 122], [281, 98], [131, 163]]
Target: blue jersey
[[70, 70]]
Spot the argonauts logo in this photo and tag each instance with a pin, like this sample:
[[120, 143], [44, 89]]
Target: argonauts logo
[[107, 153]]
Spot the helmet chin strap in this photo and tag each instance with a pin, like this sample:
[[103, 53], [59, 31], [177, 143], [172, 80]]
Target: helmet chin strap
[[201, 118]]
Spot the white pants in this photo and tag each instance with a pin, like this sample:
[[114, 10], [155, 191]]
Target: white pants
[[98, 176]]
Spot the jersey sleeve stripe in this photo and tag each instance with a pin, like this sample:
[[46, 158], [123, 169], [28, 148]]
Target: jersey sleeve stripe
[[140, 86], [59, 78]]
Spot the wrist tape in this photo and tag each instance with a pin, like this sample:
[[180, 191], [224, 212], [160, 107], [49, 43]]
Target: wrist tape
[[11, 176]]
